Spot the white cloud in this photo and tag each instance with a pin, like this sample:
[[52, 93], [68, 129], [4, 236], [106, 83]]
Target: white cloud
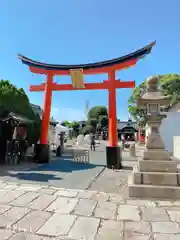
[[70, 114]]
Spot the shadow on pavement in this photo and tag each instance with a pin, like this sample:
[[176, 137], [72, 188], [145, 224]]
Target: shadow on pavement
[[37, 177], [127, 167], [65, 165], [45, 172]]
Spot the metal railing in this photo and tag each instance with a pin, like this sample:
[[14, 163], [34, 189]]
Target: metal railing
[[81, 155]]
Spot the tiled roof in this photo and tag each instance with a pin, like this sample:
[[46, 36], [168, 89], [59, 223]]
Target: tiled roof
[[121, 125]]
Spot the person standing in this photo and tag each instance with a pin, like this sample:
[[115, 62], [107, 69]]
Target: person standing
[[123, 141], [93, 144]]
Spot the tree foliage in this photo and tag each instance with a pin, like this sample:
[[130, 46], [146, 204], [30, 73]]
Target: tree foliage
[[98, 116], [92, 122], [15, 100], [66, 123], [88, 129], [169, 84], [103, 121], [96, 112], [74, 125]]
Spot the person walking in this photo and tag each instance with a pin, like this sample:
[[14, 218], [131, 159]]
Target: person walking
[[93, 143], [123, 141]]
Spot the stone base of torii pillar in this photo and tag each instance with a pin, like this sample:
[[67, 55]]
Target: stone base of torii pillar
[[156, 174]]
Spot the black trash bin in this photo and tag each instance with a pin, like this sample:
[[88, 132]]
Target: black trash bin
[[42, 153], [113, 157], [58, 151]]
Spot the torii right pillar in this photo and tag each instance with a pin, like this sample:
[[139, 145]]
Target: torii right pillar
[[113, 151]]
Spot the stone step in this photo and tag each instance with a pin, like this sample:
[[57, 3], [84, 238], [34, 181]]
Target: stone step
[[157, 166], [156, 155], [152, 191], [156, 178]]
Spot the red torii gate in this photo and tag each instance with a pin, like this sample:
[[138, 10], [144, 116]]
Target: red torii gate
[[76, 72]]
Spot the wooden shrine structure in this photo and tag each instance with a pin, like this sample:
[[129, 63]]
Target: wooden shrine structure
[[77, 73]]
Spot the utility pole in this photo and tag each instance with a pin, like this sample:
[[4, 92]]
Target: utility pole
[[86, 109]]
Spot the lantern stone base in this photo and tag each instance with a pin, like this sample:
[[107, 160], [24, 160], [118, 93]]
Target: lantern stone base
[[157, 154], [157, 166], [155, 183], [153, 191]]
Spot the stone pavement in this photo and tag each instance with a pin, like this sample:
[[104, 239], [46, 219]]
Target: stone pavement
[[65, 173], [36, 212]]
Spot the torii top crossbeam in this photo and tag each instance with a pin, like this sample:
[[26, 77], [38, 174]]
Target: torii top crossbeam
[[76, 72], [90, 68]]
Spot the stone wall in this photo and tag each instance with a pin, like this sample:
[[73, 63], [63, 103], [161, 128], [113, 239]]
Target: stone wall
[[176, 150], [169, 128]]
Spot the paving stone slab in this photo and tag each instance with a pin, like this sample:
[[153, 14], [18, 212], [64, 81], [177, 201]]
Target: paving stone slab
[[10, 187], [32, 221], [168, 203], [128, 213], [25, 199], [174, 216], [61, 238], [57, 225], [141, 227], [86, 194], [139, 202], [136, 236], [25, 236], [10, 196], [4, 208], [29, 187], [165, 227], [47, 190], [3, 185], [63, 205], [85, 207], [154, 214], [166, 236], [110, 229], [84, 228], [116, 198], [11, 216], [65, 193], [42, 202], [106, 210], [5, 234], [100, 196]]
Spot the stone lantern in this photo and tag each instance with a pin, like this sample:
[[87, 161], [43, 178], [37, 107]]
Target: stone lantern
[[155, 174]]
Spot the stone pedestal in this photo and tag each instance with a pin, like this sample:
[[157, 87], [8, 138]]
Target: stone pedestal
[[155, 175]]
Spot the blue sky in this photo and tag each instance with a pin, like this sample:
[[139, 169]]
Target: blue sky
[[82, 31]]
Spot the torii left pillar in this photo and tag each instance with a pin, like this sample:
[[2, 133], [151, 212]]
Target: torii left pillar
[[43, 151]]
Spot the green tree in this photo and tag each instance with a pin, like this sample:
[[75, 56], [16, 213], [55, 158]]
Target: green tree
[[15, 100], [93, 122], [75, 126], [88, 129], [67, 124], [97, 116], [169, 84], [103, 121], [96, 112]]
